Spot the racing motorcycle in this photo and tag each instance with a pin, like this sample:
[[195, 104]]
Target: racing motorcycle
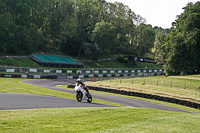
[[81, 94]]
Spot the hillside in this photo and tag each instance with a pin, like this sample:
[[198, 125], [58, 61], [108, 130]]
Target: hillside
[[116, 64], [26, 62]]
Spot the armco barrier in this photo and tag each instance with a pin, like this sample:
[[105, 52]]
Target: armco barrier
[[144, 95], [89, 71], [50, 76], [112, 75]]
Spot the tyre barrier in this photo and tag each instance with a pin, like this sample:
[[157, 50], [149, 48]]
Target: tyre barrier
[[147, 96], [29, 76], [10, 75]]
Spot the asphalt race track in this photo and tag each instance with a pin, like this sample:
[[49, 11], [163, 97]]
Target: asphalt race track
[[9, 101]]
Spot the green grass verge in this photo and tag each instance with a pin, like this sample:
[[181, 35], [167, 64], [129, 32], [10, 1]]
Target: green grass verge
[[89, 119], [11, 85], [25, 62], [115, 64], [147, 65], [189, 76], [103, 64], [99, 120]]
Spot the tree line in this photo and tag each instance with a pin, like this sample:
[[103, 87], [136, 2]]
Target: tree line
[[96, 28], [89, 28], [179, 50]]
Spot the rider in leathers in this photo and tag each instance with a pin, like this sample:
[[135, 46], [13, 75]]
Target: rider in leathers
[[79, 81]]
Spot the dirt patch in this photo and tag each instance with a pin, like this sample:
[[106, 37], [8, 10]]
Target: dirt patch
[[187, 78]]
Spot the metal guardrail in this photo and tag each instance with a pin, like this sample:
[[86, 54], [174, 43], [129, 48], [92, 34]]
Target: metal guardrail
[[80, 73], [75, 76], [13, 69]]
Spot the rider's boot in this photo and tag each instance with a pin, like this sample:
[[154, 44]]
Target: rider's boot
[[87, 94]]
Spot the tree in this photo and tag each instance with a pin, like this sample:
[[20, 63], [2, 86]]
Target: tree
[[144, 39], [71, 27], [103, 36], [183, 42], [158, 46], [9, 36], [123, 19], [91, 51], [86, 16]]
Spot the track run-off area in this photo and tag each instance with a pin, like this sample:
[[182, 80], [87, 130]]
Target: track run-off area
[[11, 101]]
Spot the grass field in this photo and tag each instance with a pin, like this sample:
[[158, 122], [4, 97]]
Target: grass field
[[26, 62], [120, 119], [183, 88], [109, 120], [110, 64]]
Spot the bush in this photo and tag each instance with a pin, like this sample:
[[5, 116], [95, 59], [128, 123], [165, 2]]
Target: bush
[[122, 60]]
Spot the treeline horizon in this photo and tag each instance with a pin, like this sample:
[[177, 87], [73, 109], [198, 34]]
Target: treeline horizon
[[97, 28], [89, 28], [179, 50]]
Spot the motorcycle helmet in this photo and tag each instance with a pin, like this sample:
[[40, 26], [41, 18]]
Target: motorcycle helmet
[[79, 81]]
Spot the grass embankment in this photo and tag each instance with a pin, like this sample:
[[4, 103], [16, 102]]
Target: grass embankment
[[183, 88], [98, 120], [121, 119], [26, 62], [138, 82], [115, 64], [10, 85]]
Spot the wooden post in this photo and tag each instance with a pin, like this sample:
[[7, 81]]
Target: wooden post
[[157, 83], [198, 89], [171, 84], [132, 81], [185, 86], [144, 82]]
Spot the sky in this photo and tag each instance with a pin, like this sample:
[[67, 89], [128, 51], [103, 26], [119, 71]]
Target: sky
[[159, 13]]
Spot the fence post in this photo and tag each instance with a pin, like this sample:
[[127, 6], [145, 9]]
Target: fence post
[[171, 84], [157, 83], [198, 89], [144, 82], [132, 81], [185, 86]]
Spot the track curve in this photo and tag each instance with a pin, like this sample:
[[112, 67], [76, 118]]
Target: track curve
[[50, 84], [12, 101]]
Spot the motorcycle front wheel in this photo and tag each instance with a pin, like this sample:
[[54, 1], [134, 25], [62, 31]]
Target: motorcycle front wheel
[[89, 98], [79, 96]]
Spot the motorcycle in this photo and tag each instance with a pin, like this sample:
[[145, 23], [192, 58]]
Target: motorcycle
[[81, 94]]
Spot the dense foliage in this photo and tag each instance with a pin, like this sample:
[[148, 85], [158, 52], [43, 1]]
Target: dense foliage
[[89, 28], [180, 50], [96, 28]]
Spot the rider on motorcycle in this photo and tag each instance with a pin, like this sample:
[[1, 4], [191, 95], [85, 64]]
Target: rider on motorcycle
[[79, 81]]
